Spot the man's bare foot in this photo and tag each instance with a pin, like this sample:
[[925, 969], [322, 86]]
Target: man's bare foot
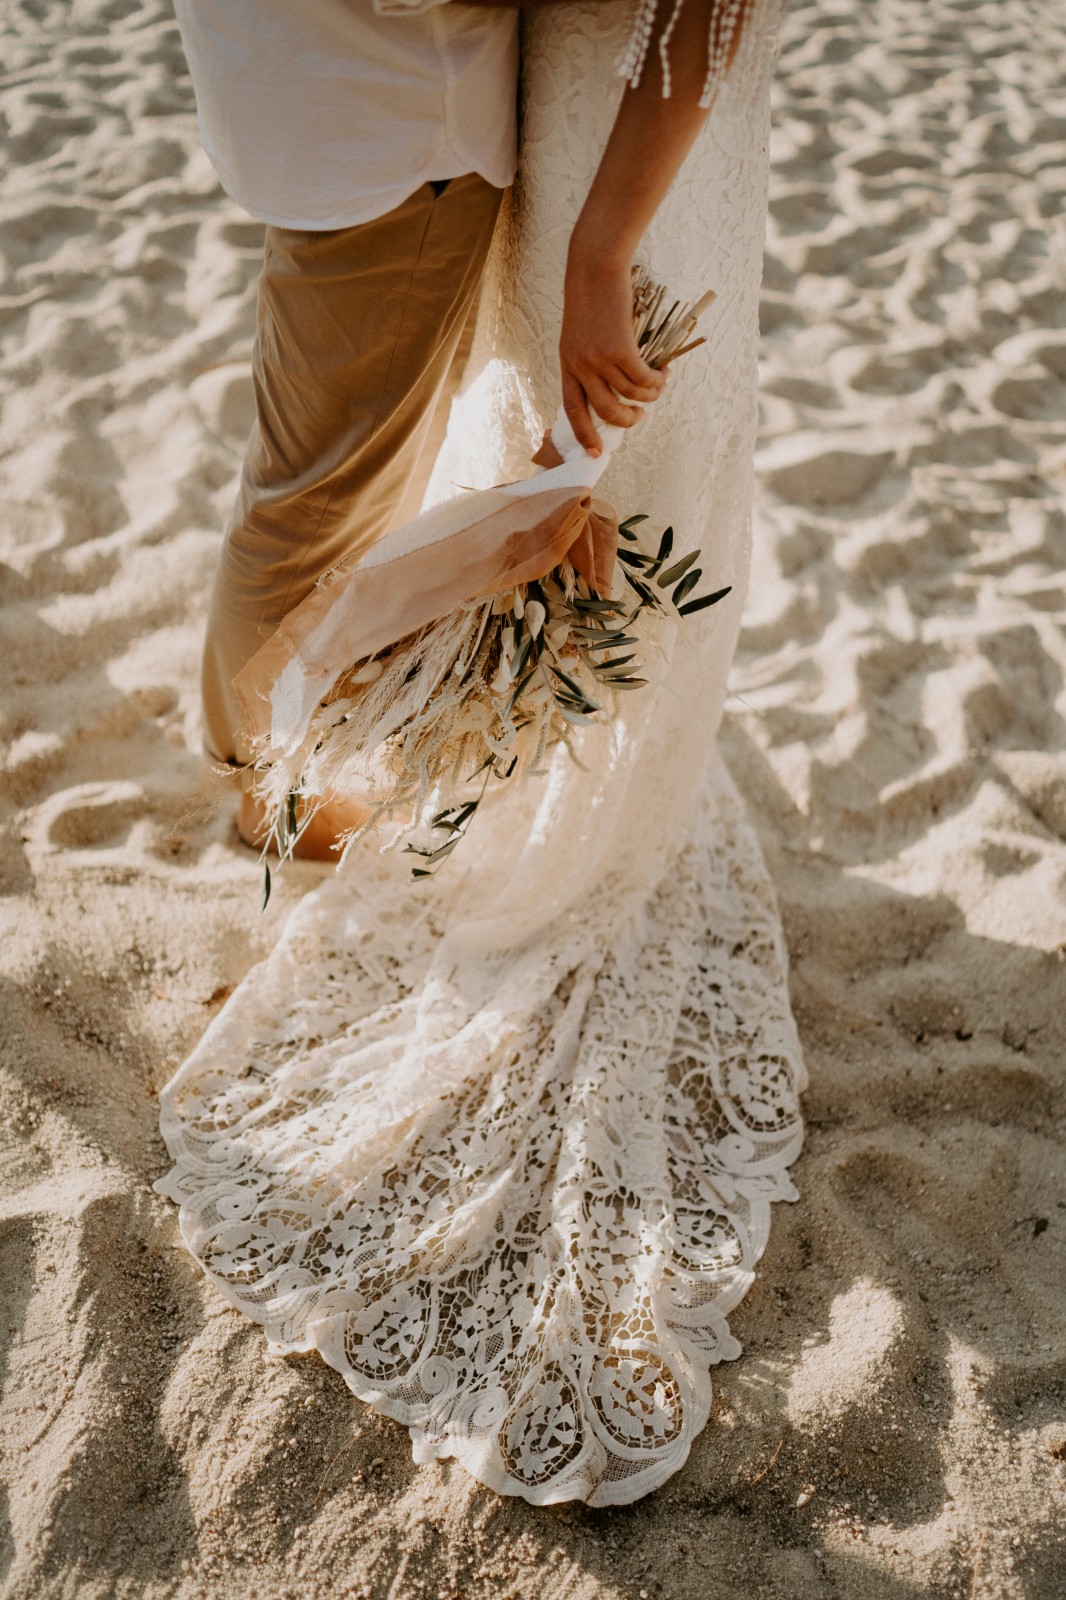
[[320, 839]]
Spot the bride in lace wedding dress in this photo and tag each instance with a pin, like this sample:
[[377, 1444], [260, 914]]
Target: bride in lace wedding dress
[[502, 1145]]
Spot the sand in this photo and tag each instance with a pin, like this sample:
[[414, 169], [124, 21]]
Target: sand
[[896, 1426]]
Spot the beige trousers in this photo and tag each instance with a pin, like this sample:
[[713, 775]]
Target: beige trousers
[[362, 334]]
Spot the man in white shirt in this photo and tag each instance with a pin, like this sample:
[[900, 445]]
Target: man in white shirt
[[375, 140], [374, 137], [326, 113]]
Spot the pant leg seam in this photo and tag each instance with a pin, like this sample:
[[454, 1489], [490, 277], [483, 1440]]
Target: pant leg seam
[[375, 425]]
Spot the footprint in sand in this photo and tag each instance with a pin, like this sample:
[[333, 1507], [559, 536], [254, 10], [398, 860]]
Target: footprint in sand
[[90, 818]]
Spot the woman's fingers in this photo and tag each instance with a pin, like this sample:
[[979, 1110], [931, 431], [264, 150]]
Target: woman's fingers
[[602, 398], [633, 369], [630, 389], [577, 412], [581, 396]]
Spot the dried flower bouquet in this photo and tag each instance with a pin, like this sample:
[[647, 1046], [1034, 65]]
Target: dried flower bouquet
[[488, 688]]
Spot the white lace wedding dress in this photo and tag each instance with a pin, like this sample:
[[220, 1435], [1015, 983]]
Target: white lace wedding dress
[[502, 1144]]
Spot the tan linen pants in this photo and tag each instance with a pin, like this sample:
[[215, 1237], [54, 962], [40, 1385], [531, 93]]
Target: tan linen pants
[[361, 337]]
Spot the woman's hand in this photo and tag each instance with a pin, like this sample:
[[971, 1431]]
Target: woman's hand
[[599, 358], [652, 134]]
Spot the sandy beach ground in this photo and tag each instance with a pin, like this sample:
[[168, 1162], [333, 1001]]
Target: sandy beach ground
[[896, 1426]]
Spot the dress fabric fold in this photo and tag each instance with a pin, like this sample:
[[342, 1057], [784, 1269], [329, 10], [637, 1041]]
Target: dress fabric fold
[[502, 1145]]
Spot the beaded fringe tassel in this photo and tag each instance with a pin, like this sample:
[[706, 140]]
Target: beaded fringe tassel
[[728, 19]]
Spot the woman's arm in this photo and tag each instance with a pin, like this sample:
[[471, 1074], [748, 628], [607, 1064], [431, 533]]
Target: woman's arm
[[650, 139], [599, 357]]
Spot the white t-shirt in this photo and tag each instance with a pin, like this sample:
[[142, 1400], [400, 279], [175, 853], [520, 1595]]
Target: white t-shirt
[[325, 113]]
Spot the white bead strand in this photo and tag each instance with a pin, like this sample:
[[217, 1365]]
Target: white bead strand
[[725, 22], [733, 18], [731, 24], [664, 40], [632, 62]]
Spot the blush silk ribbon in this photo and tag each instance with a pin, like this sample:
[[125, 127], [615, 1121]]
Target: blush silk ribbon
[[478, 544]]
